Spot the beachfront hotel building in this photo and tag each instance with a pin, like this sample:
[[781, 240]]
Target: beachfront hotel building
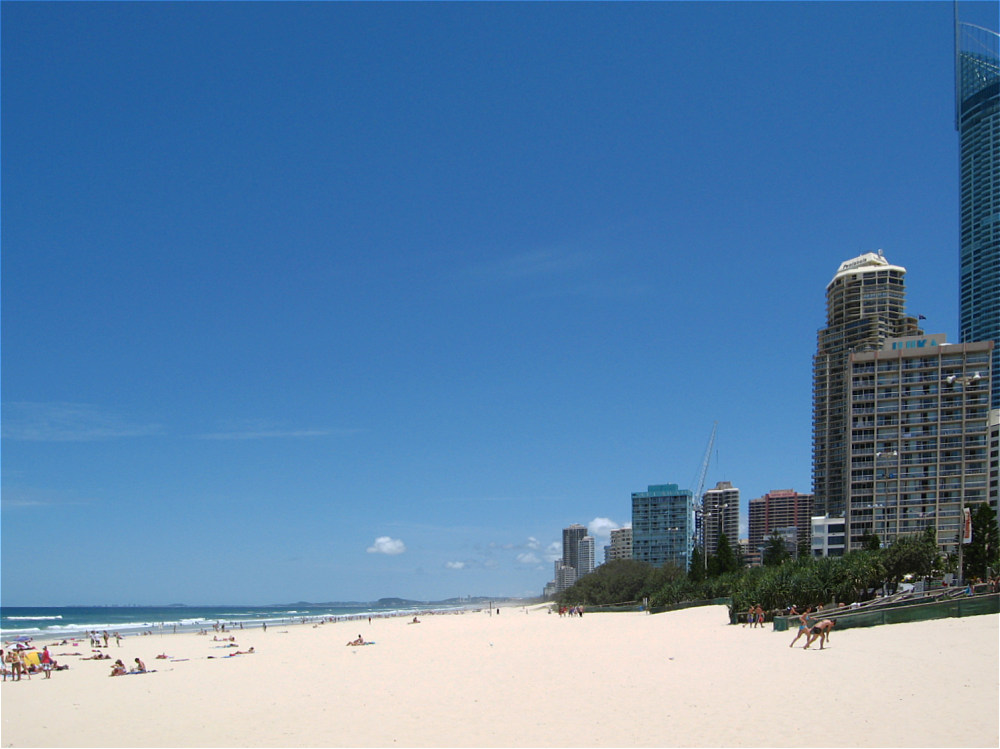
[[864, 307], [720, 515], [977, 119], [779, 509], [663, 530], [620, 546], [918, 442]]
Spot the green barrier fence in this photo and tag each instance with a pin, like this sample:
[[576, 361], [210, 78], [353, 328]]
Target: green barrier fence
[[903, 611], [691, 604]]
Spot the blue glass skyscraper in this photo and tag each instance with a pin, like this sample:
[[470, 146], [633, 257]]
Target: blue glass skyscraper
[[663, 525], [977, 119]]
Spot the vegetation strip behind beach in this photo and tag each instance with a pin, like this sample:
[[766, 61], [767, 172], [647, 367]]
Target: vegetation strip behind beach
[[783, 581]]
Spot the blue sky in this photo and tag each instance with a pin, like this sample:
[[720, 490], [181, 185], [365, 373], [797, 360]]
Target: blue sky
[[342, 301]]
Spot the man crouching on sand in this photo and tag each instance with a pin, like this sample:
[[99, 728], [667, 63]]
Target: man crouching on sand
[[822, 631]]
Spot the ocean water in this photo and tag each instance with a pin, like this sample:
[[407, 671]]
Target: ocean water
[[68, 621]]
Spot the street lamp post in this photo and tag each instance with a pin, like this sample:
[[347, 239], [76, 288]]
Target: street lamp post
[[887, 476], [965, 382]]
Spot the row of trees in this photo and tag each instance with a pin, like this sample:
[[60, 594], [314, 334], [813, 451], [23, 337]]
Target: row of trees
[[783, 580]]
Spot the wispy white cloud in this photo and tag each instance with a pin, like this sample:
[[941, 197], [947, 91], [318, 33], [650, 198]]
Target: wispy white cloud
[[69, 422], [456, 565], [600, 528], [387, 545], [582, 269], [528, 557], [260, 429], [553, 551], [531, 264], [29, 498], [262, 434]]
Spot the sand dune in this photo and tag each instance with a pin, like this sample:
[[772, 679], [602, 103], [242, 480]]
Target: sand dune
[[527, 678]]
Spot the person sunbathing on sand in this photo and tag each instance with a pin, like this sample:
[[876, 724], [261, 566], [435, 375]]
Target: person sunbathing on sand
[[359, 641], [118, 669], [140, 666]]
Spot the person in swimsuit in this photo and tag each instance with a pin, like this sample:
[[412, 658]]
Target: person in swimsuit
[[820, 631], [803, 626]]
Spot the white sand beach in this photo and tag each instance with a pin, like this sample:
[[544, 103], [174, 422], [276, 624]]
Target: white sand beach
[[526, 678]]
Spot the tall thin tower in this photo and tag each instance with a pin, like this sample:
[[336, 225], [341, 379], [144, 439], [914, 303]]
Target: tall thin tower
[[572, 536], [864, 306], [977, 119]]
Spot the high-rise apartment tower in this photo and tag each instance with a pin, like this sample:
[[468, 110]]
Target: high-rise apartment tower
[[585, 558], [977, 119], [779, 509], [663, 525], [864, 307], [572, 536], [721, 516], [621, 545], [919, 439]]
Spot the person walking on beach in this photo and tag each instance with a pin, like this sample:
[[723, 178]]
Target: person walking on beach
[[750, 617], [821, 631], [760, 615], [803, 626]]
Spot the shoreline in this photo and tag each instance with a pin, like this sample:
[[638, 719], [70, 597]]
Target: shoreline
[[194, 623], [527, 678]]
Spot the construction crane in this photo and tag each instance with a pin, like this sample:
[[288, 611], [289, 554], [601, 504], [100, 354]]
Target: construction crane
[[704, 464], [699, 502]]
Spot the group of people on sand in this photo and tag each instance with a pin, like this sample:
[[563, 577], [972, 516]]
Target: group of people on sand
[[818, 631], [755, 616], [95, 639], [14, 663], [571, 611], [809, 625], [118, 669]]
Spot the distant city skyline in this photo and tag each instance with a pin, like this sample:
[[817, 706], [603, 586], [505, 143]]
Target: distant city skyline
[[344, 301]]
